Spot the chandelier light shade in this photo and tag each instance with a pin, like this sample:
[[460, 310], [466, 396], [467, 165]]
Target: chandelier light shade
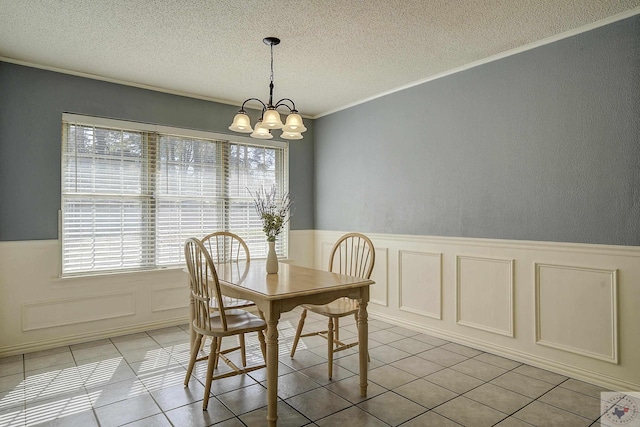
[[241, 123], [291, 135], [270, 119], [294, 124], [261, 132]]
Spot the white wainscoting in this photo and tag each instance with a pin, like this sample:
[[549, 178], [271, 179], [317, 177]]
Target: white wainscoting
[[574, 307], [420, 283], [570, 308], [47, 314], [171, 298], [379, 294], [39, 310], [576, 310], [484, 294]]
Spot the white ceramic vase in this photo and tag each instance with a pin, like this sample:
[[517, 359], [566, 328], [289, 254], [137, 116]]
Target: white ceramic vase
[[272, 259]]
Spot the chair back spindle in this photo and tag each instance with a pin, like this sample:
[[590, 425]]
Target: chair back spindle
[[353, 255], [224, 246], [228, 248]]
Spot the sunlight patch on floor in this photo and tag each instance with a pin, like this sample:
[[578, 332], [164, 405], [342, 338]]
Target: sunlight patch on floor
[[52, 383], [57, 408]]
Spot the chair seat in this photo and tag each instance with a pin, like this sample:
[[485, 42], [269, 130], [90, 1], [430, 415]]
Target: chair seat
[[238, 321], [338, 308]]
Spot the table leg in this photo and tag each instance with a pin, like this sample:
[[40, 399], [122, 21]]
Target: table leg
[[363, 344], [272, 370]]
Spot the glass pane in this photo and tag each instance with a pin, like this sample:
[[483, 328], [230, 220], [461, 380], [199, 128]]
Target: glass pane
[[188, 167], [189, 194], [177, 220], [244, 221], [104, 234], [103, 161], [250, 168]]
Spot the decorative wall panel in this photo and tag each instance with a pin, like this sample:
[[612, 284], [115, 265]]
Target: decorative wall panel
[[484, 292], [576, 310], [69, 311], [379, 293], [420, 283], [170, 298]]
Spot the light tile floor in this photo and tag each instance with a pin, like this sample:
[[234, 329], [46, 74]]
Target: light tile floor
[[414, 380]]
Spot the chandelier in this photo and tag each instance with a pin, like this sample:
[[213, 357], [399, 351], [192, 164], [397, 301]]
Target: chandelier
[[270, 119]]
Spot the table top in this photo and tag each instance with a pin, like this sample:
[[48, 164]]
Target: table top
[[291, 280]]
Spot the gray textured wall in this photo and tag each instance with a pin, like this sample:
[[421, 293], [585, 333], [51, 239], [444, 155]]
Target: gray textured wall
[[543, 145], [31, 105]]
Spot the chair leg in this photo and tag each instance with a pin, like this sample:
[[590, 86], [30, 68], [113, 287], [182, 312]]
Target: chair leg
[[213, 355], [192, 359], [337, 329], [298, 332], [263, 346], [218, 348], [330, 347], [243, 350]]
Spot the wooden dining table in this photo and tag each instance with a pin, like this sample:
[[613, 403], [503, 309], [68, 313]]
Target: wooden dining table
[[278, 293]]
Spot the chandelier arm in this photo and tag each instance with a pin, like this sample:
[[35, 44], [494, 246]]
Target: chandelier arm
[[264, 106], [282, 102]]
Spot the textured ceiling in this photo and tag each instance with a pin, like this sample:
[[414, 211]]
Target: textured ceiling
[[334, 53]]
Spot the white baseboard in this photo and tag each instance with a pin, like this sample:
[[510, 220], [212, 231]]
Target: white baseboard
[[86, 337]]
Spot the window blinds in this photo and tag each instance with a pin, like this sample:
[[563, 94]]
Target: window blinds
[[132, 193]]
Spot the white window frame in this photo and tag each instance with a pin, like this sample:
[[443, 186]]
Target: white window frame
[[69, 118]]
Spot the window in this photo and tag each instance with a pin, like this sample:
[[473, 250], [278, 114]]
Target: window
[[132, 193]]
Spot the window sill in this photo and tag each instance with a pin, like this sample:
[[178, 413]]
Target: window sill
[[111, 274], [134, 273]]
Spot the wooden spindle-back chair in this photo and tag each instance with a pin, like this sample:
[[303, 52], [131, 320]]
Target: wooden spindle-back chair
[[353, 255], [219, 323]]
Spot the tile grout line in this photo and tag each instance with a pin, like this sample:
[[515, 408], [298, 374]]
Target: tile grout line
[[422, 377], [485, 382]]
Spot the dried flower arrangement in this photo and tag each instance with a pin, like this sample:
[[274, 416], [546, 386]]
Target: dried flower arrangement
[[273, 212]]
